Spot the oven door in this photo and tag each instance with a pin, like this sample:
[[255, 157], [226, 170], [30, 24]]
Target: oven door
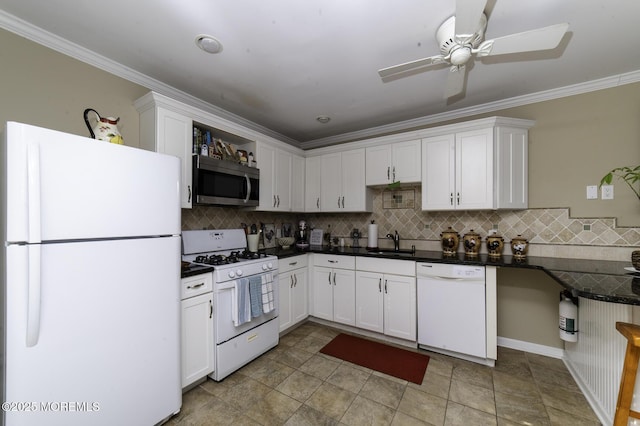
[[218, 182], [225, 303]]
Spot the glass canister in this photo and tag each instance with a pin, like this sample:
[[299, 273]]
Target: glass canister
[[519, 247], [450, 241], [495, 245], [471, 242]]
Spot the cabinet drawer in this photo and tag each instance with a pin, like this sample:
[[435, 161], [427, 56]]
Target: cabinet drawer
[[198, 284], [386, 266], [291, 263], [334, 261]]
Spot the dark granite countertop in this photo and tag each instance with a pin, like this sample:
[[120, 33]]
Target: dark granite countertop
[[602, 280], [193, 269]]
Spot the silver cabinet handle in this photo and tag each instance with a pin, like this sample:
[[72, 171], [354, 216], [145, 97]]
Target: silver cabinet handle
[[274, 201], [329, 277], [458, 198], [334, 278], [338, 201], [291, 279], [343, 201], [385, 287], [189, 189], [332, 261], [295, 280], [248, 187], [379, 285], [195, 286], [210, 309], [394, 173], [293, 263], [318, 203], [277, 196], [388, 172]]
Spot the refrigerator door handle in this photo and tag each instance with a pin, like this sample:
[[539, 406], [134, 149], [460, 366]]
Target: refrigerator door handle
[[33, 301], [33, 190]]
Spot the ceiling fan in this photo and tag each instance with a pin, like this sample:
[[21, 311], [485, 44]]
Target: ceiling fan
[[462, 36]]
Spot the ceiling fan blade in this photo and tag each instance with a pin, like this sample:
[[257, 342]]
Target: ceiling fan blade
[[528, 41], [408, 66], [455, 81], [468, 15]]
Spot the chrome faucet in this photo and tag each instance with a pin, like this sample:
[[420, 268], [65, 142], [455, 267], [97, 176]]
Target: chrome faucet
[[396, 240]]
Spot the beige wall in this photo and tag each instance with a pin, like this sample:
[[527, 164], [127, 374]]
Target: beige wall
[[41, 87]]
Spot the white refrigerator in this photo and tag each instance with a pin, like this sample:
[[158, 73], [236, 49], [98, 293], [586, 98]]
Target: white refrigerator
[[91, 274]]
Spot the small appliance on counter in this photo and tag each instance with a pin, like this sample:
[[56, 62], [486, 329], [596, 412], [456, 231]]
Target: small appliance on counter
[[355, 238], [471, 243], [519, 247], [495, 245], [450, 241], [302, 235]]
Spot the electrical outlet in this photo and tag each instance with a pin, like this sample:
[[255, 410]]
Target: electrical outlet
[[607, 192], [427, 226], [592, 192]]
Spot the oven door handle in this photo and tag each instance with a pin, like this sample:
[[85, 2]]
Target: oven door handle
[[248, 188]]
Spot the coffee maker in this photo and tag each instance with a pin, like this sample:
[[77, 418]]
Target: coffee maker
[[302, 234]]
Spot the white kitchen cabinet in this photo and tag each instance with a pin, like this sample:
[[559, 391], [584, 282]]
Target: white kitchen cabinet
[[281, 179], [293, 273], [386, 297], [483, 168], [168, 132], [334, 288], [343, 187], [396, 162], [312, 185], [197, 328]]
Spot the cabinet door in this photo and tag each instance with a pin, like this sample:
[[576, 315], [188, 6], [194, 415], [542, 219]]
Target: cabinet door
[[282, 180], [474, 169], [406, 162], [323, 293], [285, 287], [344, 296], [438, 173], [312, 184], [369, 301], [297, 183], [299, 309], [197, 338], [174, 137], [511, 168], [378, 165], [400, 306], [331, 187], [354, 191], [266, 160]]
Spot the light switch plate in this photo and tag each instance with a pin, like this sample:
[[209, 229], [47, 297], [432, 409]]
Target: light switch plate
[[592, 192], [607, 192]]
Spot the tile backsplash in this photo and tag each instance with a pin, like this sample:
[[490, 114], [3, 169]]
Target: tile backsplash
[[550, 231]]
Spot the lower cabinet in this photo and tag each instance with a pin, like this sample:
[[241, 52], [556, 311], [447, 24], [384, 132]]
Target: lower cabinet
[[197, 328], [334, 288], [386, 302], [293, 291]]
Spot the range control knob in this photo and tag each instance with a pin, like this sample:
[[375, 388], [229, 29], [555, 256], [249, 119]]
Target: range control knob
[[270, 265], [264, 266], [239, 272], [232, 274]]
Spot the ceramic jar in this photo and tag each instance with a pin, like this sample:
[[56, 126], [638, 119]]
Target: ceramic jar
[[519, 247], [450, 241], [495, 245], [471, 243]]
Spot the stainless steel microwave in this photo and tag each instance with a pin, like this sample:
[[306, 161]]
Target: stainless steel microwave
[[219, 182]]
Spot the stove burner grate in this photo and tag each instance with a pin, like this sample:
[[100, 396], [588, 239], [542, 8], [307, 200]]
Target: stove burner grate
[[233, 257]]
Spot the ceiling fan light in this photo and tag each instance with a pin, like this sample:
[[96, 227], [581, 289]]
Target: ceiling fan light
[[209, 43], [460, 56]]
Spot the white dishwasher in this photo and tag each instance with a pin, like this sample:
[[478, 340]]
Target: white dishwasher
[[452, 310]]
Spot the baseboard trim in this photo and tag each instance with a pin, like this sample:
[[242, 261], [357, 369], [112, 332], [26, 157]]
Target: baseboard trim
[[533, 348]]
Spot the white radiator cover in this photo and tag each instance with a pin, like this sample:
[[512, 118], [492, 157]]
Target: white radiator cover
[[596, 359]]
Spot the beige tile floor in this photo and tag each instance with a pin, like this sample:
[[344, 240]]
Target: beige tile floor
[[293, 384]]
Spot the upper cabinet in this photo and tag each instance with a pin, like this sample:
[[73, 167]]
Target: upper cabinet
[[312, 184], [281, 179], [395, 162], [342, 183], [169, 132], [476, 168]]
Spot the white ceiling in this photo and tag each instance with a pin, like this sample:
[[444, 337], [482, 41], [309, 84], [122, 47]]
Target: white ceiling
[[285, 62]]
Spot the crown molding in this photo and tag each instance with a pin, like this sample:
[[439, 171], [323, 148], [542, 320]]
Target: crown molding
[[561, 92], [59, 44]]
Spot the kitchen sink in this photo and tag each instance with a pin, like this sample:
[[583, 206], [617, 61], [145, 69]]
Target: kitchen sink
[[394, 252]]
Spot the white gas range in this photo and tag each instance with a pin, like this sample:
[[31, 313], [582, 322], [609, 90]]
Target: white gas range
[[245, 296]]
